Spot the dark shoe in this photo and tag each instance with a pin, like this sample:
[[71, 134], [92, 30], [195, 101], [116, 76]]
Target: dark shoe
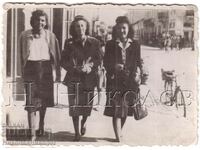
[[40, 132], [83, 130], [33, 138], [117, 140], [77, 138]]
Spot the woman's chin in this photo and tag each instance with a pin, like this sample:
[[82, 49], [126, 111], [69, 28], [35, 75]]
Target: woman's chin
[[40, 28], [81, 36]]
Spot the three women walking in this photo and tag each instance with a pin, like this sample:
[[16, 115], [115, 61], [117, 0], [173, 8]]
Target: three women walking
[[81, 58]]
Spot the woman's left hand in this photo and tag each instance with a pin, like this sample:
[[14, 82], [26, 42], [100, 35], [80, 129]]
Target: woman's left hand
[[58, 79], [138, 76]]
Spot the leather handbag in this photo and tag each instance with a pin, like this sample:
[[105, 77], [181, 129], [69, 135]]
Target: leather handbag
[[139, 110]]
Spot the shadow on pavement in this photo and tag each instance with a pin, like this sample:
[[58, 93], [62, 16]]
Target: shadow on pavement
[[63, 136], [68, 137]]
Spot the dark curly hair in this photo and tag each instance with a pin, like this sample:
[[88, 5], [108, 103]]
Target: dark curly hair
[[36, 14], [72, 31], [122, 19]]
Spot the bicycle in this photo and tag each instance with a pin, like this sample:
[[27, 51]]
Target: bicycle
[[172, 96]]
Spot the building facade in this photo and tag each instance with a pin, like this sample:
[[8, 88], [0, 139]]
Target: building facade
[[149, 28]]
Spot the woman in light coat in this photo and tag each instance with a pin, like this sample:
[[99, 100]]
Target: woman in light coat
[[38, 54]]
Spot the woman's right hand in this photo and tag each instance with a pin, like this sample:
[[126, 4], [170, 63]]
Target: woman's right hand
[[86, 67], [79, 69], [119, 67]]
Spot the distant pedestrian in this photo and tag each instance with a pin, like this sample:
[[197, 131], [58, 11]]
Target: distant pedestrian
[[177, 42], [181, 42], [173, 42], [168, 43]]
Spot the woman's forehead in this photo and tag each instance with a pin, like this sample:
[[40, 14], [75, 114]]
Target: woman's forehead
[[123, 24], [43, 17], [81, 22]]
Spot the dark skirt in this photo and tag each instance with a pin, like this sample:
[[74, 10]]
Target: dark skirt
[[120, 99], [80, 99], [38, 81]]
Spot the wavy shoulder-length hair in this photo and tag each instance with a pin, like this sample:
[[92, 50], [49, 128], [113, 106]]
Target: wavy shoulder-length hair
[[72, 30], [119, 20], [36, 14]]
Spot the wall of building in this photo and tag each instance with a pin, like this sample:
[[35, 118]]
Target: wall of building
[[155, 22]]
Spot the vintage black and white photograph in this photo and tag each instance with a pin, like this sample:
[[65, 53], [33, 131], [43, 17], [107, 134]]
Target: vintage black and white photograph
[[100, 74]]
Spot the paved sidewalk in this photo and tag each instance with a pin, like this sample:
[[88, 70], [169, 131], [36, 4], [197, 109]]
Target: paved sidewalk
[[163, 125]]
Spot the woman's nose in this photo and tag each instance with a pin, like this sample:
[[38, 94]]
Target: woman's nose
[[78, 27], [81, 27], [122, 31]]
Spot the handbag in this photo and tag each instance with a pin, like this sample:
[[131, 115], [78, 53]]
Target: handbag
[[139, 110]]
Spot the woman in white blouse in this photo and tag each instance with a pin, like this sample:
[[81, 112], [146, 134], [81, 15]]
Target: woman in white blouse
[[38, 52]]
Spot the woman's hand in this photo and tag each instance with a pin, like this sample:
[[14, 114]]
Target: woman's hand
[[119, 67], [138, 76], [86, 67], [58, 79], [78, 68]]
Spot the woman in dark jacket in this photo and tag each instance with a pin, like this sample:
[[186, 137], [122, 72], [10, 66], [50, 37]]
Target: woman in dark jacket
[[80, 58], [122, 63], [38, 52]]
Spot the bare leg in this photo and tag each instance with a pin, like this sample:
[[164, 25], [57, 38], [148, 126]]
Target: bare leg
[[76, 128], [117, 128], [42, 113], [123, 120], [42, 116], [99, 99], [83, 125], [31, 123]]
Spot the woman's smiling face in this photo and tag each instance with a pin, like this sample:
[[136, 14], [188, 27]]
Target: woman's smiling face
[[122, 30], [40, 23]]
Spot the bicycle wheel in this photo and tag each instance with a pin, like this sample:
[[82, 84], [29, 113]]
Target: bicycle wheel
[[165, 97], [180, 102], [188, 97]]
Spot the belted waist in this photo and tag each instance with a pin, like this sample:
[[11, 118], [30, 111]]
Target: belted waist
[[38, 61]]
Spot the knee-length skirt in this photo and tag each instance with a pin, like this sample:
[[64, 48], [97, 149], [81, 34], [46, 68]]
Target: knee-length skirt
[[38, 82], [120, 100], [80, 99]]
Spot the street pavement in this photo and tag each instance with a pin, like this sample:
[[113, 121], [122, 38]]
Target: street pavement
[[163, 125]]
